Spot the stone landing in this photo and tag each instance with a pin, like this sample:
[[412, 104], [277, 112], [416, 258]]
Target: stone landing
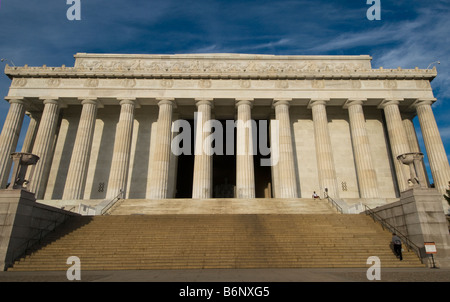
[[222, 206]]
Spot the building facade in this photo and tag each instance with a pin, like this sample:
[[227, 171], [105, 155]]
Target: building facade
[[108, 125]]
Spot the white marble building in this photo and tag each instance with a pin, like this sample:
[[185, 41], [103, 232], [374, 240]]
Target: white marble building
[[105, 125]]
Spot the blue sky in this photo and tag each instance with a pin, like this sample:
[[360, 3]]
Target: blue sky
[[409, 34]]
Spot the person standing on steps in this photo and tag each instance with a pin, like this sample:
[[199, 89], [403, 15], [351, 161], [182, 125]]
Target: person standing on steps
[[397, 242]]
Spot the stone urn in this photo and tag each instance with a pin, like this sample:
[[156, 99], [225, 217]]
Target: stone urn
[[21, 162], [413, 160]]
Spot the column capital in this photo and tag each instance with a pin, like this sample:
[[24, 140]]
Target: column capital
[[43, 98], [421, 102], [15, 99], [314, 102], [351, 102], [387, 102], [127, 101], [204, 101], [281, 101], [244, 102], [50, 100], [166, 101], [93, 101]]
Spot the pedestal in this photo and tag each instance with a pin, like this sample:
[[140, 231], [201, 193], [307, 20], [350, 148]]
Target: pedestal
[[419, 216], [21, 219]]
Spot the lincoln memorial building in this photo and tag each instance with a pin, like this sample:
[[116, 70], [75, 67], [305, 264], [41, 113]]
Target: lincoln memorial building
[[112, 124]]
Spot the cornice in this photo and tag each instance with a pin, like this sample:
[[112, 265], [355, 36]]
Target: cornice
[[220, 66], [73, 72]]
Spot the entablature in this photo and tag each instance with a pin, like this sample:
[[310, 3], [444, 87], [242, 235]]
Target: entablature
[[220, 66]]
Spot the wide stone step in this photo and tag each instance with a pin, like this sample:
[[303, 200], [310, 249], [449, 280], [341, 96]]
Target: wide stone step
[[222, 206]]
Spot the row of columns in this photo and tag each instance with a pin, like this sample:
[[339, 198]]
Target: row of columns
[[43, 134]]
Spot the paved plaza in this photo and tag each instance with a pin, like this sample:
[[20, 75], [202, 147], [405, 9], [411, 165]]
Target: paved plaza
[[238, 275]]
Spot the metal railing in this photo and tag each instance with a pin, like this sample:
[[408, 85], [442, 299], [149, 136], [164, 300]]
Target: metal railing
[[334, 203], [386, 225], [36, 238], [101, 208], [106, 207]]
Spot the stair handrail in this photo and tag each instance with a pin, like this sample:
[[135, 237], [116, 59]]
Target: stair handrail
[[112, 202], [37, 237], [409, 244], [334, 203]]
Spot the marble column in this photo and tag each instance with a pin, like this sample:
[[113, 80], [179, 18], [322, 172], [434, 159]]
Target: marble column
[[121, 153], [76, 175], [367, 178], [286, 180], [437, 156], [33, 126], [245, 174], [10, 136], [44, 146], [159, 184], [398, 140], [202, 180], [324, 152], [414, 143]]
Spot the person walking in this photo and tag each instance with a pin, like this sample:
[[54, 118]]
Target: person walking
[[397, 242]]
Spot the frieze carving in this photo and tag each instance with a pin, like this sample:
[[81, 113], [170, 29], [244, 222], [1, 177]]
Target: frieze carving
[[130, 83], [209, 66], [19, 82], [423, 84], [245, 83], [390, 84], [204, 83], [355, 83], [91, 83], [220, 76], [166, 83], [53, 82], [220, 66], [318, 84], [372, 84], [283, 84]]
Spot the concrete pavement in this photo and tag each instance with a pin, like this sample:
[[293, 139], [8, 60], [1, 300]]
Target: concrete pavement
[[238, 275]]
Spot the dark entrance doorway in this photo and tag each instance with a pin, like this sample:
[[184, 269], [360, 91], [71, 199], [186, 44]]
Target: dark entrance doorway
[[263, 173], [185, 169], [224, 166]]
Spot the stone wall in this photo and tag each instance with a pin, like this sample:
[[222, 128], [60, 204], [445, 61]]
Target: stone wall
[[21, 218], [419, 215]]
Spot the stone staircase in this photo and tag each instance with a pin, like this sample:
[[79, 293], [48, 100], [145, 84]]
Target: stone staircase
[[222, 206], [201, 241]]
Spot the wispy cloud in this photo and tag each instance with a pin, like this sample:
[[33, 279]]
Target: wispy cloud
[[418, 41], [411, 32]]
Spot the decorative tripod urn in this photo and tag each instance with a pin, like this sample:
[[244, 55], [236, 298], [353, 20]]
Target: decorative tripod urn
[[21, 162], [414, 160]]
